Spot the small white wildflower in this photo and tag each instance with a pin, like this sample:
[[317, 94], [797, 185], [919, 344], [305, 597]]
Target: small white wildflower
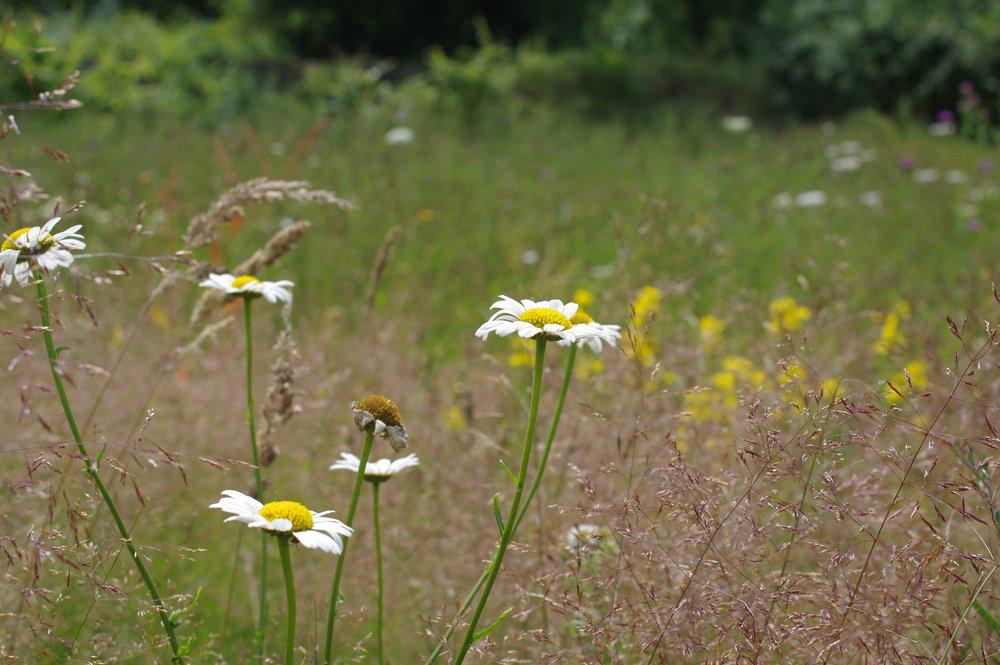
[[737, 123], [249, 286], [811, 199], [400, 136]]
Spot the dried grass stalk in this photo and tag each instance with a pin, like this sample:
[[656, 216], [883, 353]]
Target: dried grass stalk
[[233, 203]]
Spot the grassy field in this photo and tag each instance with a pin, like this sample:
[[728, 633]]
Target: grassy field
[[690, 449]]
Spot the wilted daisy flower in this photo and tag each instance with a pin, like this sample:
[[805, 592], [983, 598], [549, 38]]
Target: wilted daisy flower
[[383, 412], [36, 246], [551, 319], [288, 519], [602, 333], [249, 286], [375, 472]]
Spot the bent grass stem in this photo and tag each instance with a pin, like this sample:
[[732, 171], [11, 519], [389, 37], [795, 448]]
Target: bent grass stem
[[352, 509], [570, 360], [91, 469], [512, 514]]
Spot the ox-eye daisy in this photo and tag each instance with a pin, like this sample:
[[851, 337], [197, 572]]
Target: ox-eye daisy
[[249, 286], [288, 519], [377, 471], [603, 333], [550, 320], [36, 246]]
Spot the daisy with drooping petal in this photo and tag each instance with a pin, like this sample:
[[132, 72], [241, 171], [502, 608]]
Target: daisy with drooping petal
[[377, 471], [384, 413], [547, 319], [603, 333], [37, 247], [286, 518], [249, 286]]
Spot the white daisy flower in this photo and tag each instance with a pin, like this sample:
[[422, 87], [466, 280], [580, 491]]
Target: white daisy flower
[[288, 519], [603, 334], [551, 319], [383, 412], [377, 471], [249, 286], [400, 136], [37, 247]]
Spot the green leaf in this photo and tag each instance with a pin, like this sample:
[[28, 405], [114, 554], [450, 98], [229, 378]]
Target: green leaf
[[186, 647], [510, 475], [60, 350], [176, 615], [100, 455], [987, 616], [496, 512], [493, 626]]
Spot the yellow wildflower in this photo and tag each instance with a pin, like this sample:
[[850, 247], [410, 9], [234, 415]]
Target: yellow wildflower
[[917, 369], [787, 315], [891, 339], [745, 371], [647, 303], [454, 419], [710, 331], [523, 354], [583, 298], [831, 389]]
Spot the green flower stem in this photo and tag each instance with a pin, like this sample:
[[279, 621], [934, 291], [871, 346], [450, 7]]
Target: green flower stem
[[570, 360], [512, 515], [335, 589], [258, 480], [378, 566], [50, 350], [286, 567]]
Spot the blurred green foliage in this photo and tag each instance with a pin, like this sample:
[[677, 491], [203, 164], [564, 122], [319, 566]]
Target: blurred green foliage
[[799, 58]]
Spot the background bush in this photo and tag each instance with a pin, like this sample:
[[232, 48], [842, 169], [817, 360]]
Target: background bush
[[804, 58]]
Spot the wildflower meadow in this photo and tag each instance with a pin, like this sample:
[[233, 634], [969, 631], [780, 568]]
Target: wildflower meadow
[[424, 368]]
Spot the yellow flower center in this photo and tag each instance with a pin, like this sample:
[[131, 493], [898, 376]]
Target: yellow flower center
[[581, 317], [43, 242], [382, 408], [542, 316], [293, 511], [244, 280]]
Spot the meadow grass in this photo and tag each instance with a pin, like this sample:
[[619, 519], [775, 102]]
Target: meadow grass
[[684, 458]]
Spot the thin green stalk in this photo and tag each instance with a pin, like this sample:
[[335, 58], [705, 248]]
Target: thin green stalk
[[961, 619], [50, 350], [258, 480], [335, 589], [508, 530], [378, 566], [570, 360], [286, 567]]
